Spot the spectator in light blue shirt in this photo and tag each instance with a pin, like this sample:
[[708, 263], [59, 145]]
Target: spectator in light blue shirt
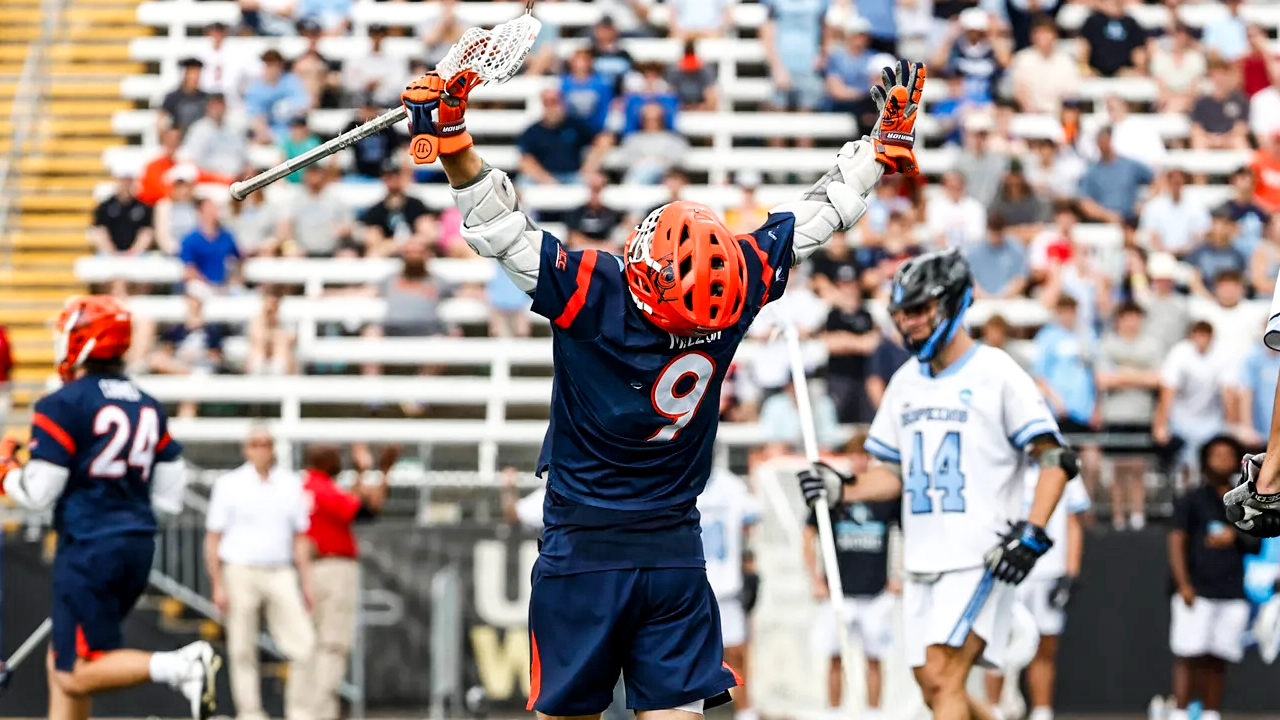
[[586, 93], [780, 421], [1227, 36], [999, 263], [848, 66], [884, 24], [1109, 187], [792, 36], [1257, 383], [276, 96], [333, 15], [1063, 369]]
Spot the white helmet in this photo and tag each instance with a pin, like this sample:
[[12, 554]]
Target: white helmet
[[1266, 628], [1024, 638]]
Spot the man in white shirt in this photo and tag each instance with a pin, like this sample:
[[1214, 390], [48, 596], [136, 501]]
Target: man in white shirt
[[226, 70], [259, 558], [377, 71], [1171, 221], [1042, 75], [952, 218], [1192, 382]]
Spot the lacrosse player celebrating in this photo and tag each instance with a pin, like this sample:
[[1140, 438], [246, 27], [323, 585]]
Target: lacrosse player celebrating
[[641, 346], [952, 438]]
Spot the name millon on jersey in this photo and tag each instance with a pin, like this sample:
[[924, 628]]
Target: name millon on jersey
[[681, 343], [119, 390], [939, 414]]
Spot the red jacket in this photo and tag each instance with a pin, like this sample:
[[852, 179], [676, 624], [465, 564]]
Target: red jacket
[[332, 512], [6, 356]]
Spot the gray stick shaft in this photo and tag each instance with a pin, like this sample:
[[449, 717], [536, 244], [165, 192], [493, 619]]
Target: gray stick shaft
[[29, 644], [241, 190]]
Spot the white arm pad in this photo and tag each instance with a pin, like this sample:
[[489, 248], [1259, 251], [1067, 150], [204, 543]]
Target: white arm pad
[[495, 227], [836, 202], [168, 485], [37, 485]]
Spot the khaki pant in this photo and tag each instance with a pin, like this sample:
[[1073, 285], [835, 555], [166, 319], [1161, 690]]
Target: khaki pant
[[336, 587], [251, 590]]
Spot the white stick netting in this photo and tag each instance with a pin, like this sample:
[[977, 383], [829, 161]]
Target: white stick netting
[[494, 55]]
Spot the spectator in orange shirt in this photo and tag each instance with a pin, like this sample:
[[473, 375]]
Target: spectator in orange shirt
[[153, 184], [1266, 170], [335, 570]]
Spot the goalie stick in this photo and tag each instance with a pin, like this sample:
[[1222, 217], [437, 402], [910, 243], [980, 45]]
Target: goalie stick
[[494, 55], [826, 537]]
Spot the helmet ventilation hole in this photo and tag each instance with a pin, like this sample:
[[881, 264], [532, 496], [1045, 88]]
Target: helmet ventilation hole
[[717, 290], [688, 301], [714, 240], [684, 234], [717, 263], [686, 265], [715, 310]]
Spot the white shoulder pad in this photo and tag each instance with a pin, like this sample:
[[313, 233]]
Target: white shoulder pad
[[37, 485], [837, 201], [168, 485], [495, 227]]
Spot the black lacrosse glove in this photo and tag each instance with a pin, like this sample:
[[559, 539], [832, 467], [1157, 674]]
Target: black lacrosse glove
[[750, 591], [1017, 552], [813, 484], [1060, 594]]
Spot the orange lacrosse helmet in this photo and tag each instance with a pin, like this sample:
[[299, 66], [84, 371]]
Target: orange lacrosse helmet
[[685, 270], [90, 326]]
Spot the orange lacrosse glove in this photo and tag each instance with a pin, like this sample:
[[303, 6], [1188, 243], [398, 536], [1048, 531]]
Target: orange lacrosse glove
[[435, 107], [894, 135], [8, 459]]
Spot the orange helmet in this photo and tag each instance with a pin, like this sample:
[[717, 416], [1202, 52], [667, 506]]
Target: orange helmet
[[90, 326], [685, 270]]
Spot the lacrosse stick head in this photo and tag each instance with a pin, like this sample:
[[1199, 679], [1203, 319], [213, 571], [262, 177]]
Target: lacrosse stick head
[[495, 56]]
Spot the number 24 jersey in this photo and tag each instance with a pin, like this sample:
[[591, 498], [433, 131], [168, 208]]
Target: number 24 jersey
[[959, 439]]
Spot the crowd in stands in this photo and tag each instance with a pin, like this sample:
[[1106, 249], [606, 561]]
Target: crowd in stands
[[1158, 326]]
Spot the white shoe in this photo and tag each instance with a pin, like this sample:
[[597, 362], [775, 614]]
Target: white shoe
[[197, 681]]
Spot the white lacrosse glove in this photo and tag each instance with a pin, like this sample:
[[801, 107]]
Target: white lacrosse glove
[[1251, 511]]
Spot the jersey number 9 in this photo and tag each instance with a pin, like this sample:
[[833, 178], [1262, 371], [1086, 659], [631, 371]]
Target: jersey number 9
[[114, 420], [675, 397]]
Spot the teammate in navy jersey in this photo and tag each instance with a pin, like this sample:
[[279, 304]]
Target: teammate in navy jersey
[[101, 457], [641, 346]]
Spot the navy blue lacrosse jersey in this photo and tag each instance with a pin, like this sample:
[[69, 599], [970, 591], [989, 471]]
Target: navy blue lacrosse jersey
[[109, 435], [634, 409]]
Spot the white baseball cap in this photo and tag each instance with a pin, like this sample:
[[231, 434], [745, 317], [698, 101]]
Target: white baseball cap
[[975, 19], [856, 24]]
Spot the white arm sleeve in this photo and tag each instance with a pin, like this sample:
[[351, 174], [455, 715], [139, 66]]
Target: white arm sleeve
[[837, 201], [495, 227], [168, 484], [37, 485]]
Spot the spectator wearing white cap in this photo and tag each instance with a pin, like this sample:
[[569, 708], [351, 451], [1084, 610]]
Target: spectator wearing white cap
[[1052, 168], [974, 47], [1173, 221], [1042, 74], [1168, 312]]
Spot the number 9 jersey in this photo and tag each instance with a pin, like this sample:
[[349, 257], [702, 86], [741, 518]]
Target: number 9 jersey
[[109, 435], [959, 440], [634, 409]]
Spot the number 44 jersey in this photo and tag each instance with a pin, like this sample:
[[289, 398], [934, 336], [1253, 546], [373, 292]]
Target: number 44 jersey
[[634, 409], [960, 440], [109, 435]]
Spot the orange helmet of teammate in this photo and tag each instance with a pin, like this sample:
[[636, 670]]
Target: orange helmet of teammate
[[90, 326], [685, 270]]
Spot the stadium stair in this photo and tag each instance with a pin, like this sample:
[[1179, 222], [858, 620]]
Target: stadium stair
[[87, 60]]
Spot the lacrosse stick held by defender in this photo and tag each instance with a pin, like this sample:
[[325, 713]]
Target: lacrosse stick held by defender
[[826, 536], [480, 57]]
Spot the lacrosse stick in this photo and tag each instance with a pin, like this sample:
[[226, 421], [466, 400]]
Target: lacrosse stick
[[27, 647], [493, 55], [826, 536]]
